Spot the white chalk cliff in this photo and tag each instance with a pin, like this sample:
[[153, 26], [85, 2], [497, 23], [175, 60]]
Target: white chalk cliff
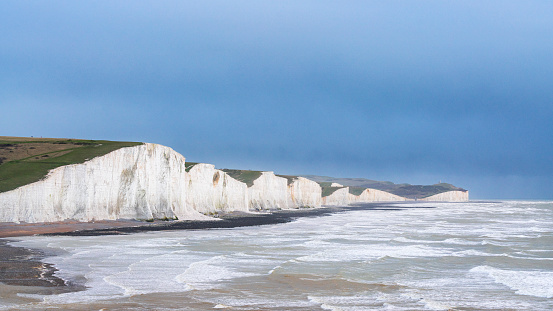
[[268, 192], [150, 181], [339, 197], [209, 190], [303, 192], [374, 195], [343, 197], [450, 196], [140, 182]]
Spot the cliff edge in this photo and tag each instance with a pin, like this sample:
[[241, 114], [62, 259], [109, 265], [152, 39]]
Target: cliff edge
[[141, 182], [110, 181]]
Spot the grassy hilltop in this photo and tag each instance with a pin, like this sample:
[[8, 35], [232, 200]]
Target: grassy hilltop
[[24, 160], [245, 176]]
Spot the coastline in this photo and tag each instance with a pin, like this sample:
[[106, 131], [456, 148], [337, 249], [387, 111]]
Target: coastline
[[24, 266], [8, 230], [24, 271], [29, 268], [113, 227]]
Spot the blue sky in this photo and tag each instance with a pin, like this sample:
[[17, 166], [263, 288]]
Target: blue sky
[[406, 91]]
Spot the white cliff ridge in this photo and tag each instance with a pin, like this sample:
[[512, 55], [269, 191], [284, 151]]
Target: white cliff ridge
[[150, 181], [140, 182], [450, 196], [340, 197], [374, 195], [268, 192], [303, 192], [209, 190]]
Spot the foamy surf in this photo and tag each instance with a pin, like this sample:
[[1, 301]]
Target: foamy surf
[[207, 274], [533, 283], [453, 256]]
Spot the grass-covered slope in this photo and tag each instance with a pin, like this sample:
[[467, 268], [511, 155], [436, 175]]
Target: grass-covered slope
[[420, 191], [356, 190], [289, 178], [326, 188], [326, 191], [189, 165], [244, 176], [24, 160]]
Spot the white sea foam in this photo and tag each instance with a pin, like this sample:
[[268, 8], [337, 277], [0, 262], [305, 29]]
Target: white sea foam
[[152, 274], [274, 269], [411, 259], [533, 283], [343, 303], [454, 241], [357, 252], [206, 274], [246, 302], [221, 306], [435, 305], [474, 253]]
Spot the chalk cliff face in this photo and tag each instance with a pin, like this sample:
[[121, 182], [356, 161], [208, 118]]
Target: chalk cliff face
[[140, 182], [303, 192], [339, 197], [268, 192], [450, 196], [373, 195], [150, 181], [209, 190], [342, 197]]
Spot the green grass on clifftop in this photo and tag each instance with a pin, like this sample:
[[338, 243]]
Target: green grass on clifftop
[[356, 190], [27, 160], [289, 178], [326, 191], [420, 191], [189, 165], [244, 176]]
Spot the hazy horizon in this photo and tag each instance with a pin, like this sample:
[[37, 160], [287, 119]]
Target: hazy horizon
[[402, 91]]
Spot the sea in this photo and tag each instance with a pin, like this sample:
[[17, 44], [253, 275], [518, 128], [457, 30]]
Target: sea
[[414, 256]]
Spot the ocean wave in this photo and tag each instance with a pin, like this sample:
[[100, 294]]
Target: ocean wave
[[341, 303], [454, 241], [532, 283], [374, 252], [206, 273], [476, 253]]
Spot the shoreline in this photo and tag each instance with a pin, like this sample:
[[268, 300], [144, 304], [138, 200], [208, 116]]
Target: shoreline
[[223, 221], [24, 266], [21, 266], [9, 230]]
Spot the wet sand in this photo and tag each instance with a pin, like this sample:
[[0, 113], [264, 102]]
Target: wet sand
[[10, 229], [22, 266], [22, 272]]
